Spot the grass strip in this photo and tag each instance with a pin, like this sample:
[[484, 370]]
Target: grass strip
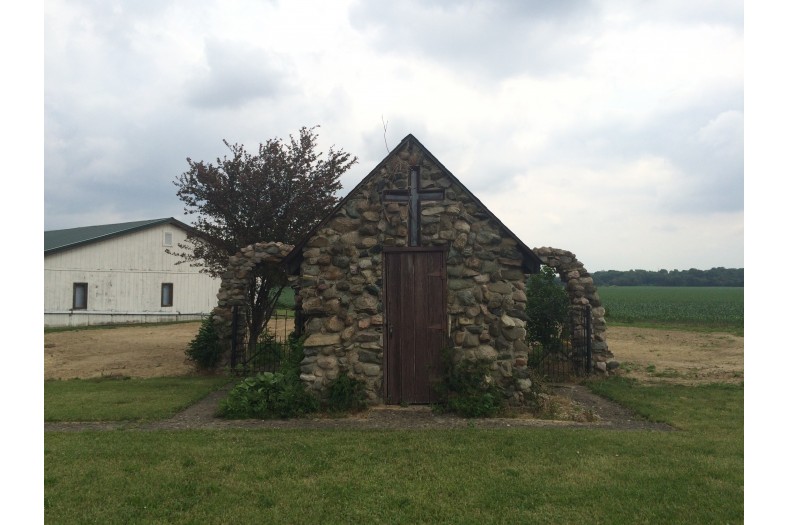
[[124, 399], [56, 329]]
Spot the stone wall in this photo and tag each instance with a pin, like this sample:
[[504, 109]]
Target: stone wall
[[582, 292], [235, 285], [341, 280]]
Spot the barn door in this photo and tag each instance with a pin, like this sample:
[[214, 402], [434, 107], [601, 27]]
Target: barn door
[[415, 292]]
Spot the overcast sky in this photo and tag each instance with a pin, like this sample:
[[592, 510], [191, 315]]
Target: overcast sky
[[611, 128]]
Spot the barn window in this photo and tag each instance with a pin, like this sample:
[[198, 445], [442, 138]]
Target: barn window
[[167, 239], [166, 294], [80, 298]]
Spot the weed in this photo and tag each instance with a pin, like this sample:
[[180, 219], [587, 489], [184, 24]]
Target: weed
[[467, 388], [346, 394], [628, 366], [669, 372], [546, 407]]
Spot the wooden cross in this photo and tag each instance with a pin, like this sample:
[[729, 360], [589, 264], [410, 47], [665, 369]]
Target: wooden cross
[[413, 195]]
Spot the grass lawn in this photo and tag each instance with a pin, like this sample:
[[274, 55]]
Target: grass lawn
[[695, 475], [109, 399]]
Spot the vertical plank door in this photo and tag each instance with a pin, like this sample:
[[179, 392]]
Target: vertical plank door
[[415, 314]]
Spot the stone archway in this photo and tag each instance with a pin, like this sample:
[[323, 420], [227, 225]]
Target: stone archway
[[235, 285], [582, 291]]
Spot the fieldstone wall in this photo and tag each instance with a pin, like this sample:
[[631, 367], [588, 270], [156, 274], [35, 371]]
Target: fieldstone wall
[[235, 285], [341, 280], [582, 292]]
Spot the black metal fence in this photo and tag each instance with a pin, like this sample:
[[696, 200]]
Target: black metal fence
[[269, 349], [570, 355]]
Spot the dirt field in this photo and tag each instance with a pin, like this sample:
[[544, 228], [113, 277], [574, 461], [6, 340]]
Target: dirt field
[[133, 351], [150, 351], [674, 356]]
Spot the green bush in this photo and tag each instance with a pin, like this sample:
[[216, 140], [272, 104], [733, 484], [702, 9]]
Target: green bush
[[547, 308], [467, 389], [346, 394], [279, 394], [268, 395], [204, 349]]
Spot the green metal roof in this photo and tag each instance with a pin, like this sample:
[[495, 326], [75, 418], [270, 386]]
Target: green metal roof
[[58, 240]]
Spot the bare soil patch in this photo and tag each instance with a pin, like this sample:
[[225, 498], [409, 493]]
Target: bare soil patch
[[653, 355], [132, 351]]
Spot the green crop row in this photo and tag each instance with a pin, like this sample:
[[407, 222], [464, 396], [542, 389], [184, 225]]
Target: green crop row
[[708, 307]]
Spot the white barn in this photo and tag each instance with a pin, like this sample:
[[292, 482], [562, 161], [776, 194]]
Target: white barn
[[121, 273]]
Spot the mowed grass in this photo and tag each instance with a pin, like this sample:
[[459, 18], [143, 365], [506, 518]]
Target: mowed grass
[[694, 475], [111, 399], [699, 308]]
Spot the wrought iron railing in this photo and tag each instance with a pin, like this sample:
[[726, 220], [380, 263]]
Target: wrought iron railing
[[270, 349], [570, 354]]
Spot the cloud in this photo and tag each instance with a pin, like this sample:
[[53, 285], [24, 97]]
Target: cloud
[[611, 218], [697, 12], [725, 132], [236, 74], [603, 127], [495, 39]]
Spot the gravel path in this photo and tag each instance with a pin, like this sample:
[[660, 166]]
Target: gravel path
[[201, 416]]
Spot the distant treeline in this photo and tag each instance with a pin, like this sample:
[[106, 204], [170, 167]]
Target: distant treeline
[[691, 277]]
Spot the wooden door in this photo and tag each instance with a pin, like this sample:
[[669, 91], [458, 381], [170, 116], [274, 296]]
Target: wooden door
[[415, 300]]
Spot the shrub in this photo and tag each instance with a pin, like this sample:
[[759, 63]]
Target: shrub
[[467, 389], [272, 394], [268, 395], [346, 394], [547, 308], [291, 363], [204, 350]]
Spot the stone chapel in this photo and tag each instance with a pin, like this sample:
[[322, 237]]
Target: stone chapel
[[410, 262]]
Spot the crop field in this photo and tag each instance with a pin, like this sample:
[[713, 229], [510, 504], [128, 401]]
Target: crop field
[[718, 308]]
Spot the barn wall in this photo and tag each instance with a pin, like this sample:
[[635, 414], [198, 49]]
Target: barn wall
[[124, 276], [341, 281]]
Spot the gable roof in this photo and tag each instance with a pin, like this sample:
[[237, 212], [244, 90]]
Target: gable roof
[[60, 240], [531, 261]]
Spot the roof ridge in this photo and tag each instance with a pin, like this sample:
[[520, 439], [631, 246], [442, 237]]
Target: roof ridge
[[58, 240]]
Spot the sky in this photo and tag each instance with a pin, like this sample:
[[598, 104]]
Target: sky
[[610, 128]]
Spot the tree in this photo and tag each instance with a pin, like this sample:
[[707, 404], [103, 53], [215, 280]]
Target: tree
[[279, 194], [547, 307]]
